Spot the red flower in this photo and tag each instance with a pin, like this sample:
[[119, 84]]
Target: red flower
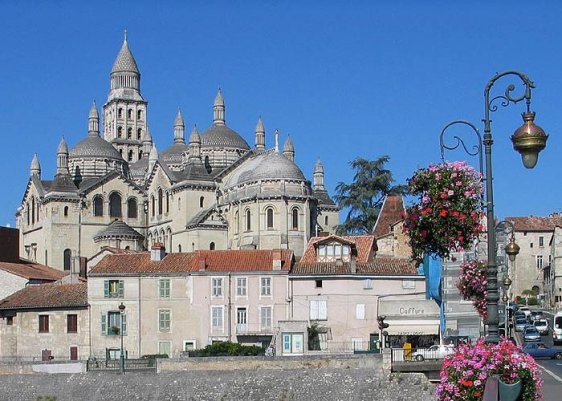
[[443, 213]]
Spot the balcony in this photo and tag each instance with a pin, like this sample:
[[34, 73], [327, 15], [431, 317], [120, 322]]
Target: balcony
[[253, 330]]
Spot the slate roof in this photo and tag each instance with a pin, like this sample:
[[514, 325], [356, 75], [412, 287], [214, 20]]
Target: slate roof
[[32, 271], [47, 296], [118, 229], [392, 212], [215, 261], [94, 146], [173, 154], [222, 136], [536, 223], [125, 60]]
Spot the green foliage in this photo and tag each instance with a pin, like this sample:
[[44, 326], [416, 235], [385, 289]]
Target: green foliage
[[47, 398], [152, 358], [532, 301], [227, 348], [313, 337], [363, 198]]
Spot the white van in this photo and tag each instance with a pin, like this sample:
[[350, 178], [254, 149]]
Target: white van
[[557, 329]]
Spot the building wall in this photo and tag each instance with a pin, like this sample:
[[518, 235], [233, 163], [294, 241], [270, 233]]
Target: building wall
[[525, 272], [10, 283]]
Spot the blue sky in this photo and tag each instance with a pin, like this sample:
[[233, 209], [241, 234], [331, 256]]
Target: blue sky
[[346, 79]]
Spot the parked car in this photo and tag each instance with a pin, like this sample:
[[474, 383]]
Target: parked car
[[542, 326], [536, 315], [540, 350], [433, 352], [520, 323], [557, 328], [530, 333]]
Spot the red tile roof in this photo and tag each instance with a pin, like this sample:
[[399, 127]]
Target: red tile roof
[[364, 244], [391, 213], [378, 266], [536, 223], [32, 271], [52, 295], [215, 261]]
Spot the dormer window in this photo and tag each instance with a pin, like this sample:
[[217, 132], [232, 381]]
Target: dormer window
[[333, 251]]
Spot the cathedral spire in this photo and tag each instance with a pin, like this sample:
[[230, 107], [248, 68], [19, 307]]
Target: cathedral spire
[[93, 121], [152, 157], [194, 144], [319, 176], [179, 128], [35, 168], [125, 72], [62, 158], [146, 144], [289, 149], [260, 135], [219, 110]]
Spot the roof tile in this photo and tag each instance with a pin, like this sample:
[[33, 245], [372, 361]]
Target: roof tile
[[536, 223], [52, 295], [32, 271]]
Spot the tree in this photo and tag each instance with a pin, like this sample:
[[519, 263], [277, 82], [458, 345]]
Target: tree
[[363, 198]]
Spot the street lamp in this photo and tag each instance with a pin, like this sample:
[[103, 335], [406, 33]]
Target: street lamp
[[528, 140], [122, 312]]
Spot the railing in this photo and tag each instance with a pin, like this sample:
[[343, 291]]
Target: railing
[[249, 329], [415, 354], [337, 347], [94, 364]]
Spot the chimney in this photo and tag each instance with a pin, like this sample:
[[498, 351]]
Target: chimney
[[202, 264], [276, 257], [157, 252]]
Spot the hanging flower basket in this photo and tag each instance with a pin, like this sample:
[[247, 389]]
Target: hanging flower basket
[[464, 374], [447, 216], [472, 284]]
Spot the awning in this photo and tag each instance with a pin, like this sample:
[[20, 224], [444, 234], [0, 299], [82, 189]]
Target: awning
[[412, 329]]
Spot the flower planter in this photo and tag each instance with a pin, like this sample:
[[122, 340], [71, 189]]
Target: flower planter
[[509, 391]]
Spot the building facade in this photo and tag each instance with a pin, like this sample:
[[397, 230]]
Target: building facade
[[213, 191]]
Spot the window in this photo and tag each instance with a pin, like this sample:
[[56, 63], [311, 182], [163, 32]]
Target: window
[[212, 246], [164, 320], [265, 286], [541, 241], [295, 219], [360, 311], [160, 197], [130, 113], [73, 353], [293, 343], [217, 317], [408, 284], [248, 220], [66, 259], [130, 156], [318, 310], [531, 245], [189, 345], [332, 252], [113, 322], [269, 218], [120, 112], [98, 205], [265, 317], [241, 320], [236, 222], [139, 136], [9, 320], [201, 201], [318, 283], [241, 289], [132, 210], [119, 132], [139, 114], [115, 205], [72, 323], [43, 323], [368, 284], [539, 261], [326, 221], [216, 284], [167, 202], [179, 247], [153, 205], [165, 348], [113, 288], [32, 210], [66, 211], [164, 288]]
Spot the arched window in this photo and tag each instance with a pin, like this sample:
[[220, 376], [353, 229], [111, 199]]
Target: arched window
[[248, 220], [28, 213], [212, 246], [120, 112], [119, 131], [139, 114], [66, 259], [295, 219], [152, 201], [160, 196], [132, 211], [130, 113], [269, 218], [139, 133], [115, 205], [66, 211], [140, 154], [38, 209], [129, 133], [167, 202], [98, 205], [179, 247], [326, 221], [46, 259], [236, 222], [201, 201], [130, 156], [32, 210]]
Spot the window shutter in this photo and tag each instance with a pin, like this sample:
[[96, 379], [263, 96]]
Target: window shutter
[[124, 323], [322, 310], [360, 311], [313, 310], [103, 324], [121, 289], [106, 288]]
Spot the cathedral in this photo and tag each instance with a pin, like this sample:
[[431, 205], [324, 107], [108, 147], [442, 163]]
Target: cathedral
[[213, 191]]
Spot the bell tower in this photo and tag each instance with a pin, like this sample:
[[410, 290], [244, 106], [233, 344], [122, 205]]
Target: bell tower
[[125, 122]]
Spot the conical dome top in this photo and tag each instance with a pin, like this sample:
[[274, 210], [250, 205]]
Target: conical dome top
[[259, 125], [219, 101], [319, 167], [63, 148], [289, 147], [125, 60], [35, 167], [94, 111], [194, 137], [179, 120], [153, 156]]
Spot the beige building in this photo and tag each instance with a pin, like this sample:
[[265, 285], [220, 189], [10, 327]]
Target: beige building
[[181, 301], [45, 322], [213, 191]]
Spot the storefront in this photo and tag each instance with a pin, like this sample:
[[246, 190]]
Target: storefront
[[410, 321]]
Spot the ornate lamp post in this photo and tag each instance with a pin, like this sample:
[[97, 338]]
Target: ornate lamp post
[[528, 140], [122, 356]]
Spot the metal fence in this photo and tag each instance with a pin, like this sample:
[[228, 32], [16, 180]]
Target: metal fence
[[336, 347], [140, 364]]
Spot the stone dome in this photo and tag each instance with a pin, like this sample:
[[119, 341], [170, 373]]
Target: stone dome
[[94, 146], [223, 137], [269, 165], [118, 229], [173, 154]]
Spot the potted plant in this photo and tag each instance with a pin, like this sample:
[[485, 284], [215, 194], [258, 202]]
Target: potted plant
[[447, 214], [472, 284], [464, 373]]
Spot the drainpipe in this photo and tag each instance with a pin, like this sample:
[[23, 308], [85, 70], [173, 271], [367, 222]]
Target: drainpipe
[[229, 308]]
